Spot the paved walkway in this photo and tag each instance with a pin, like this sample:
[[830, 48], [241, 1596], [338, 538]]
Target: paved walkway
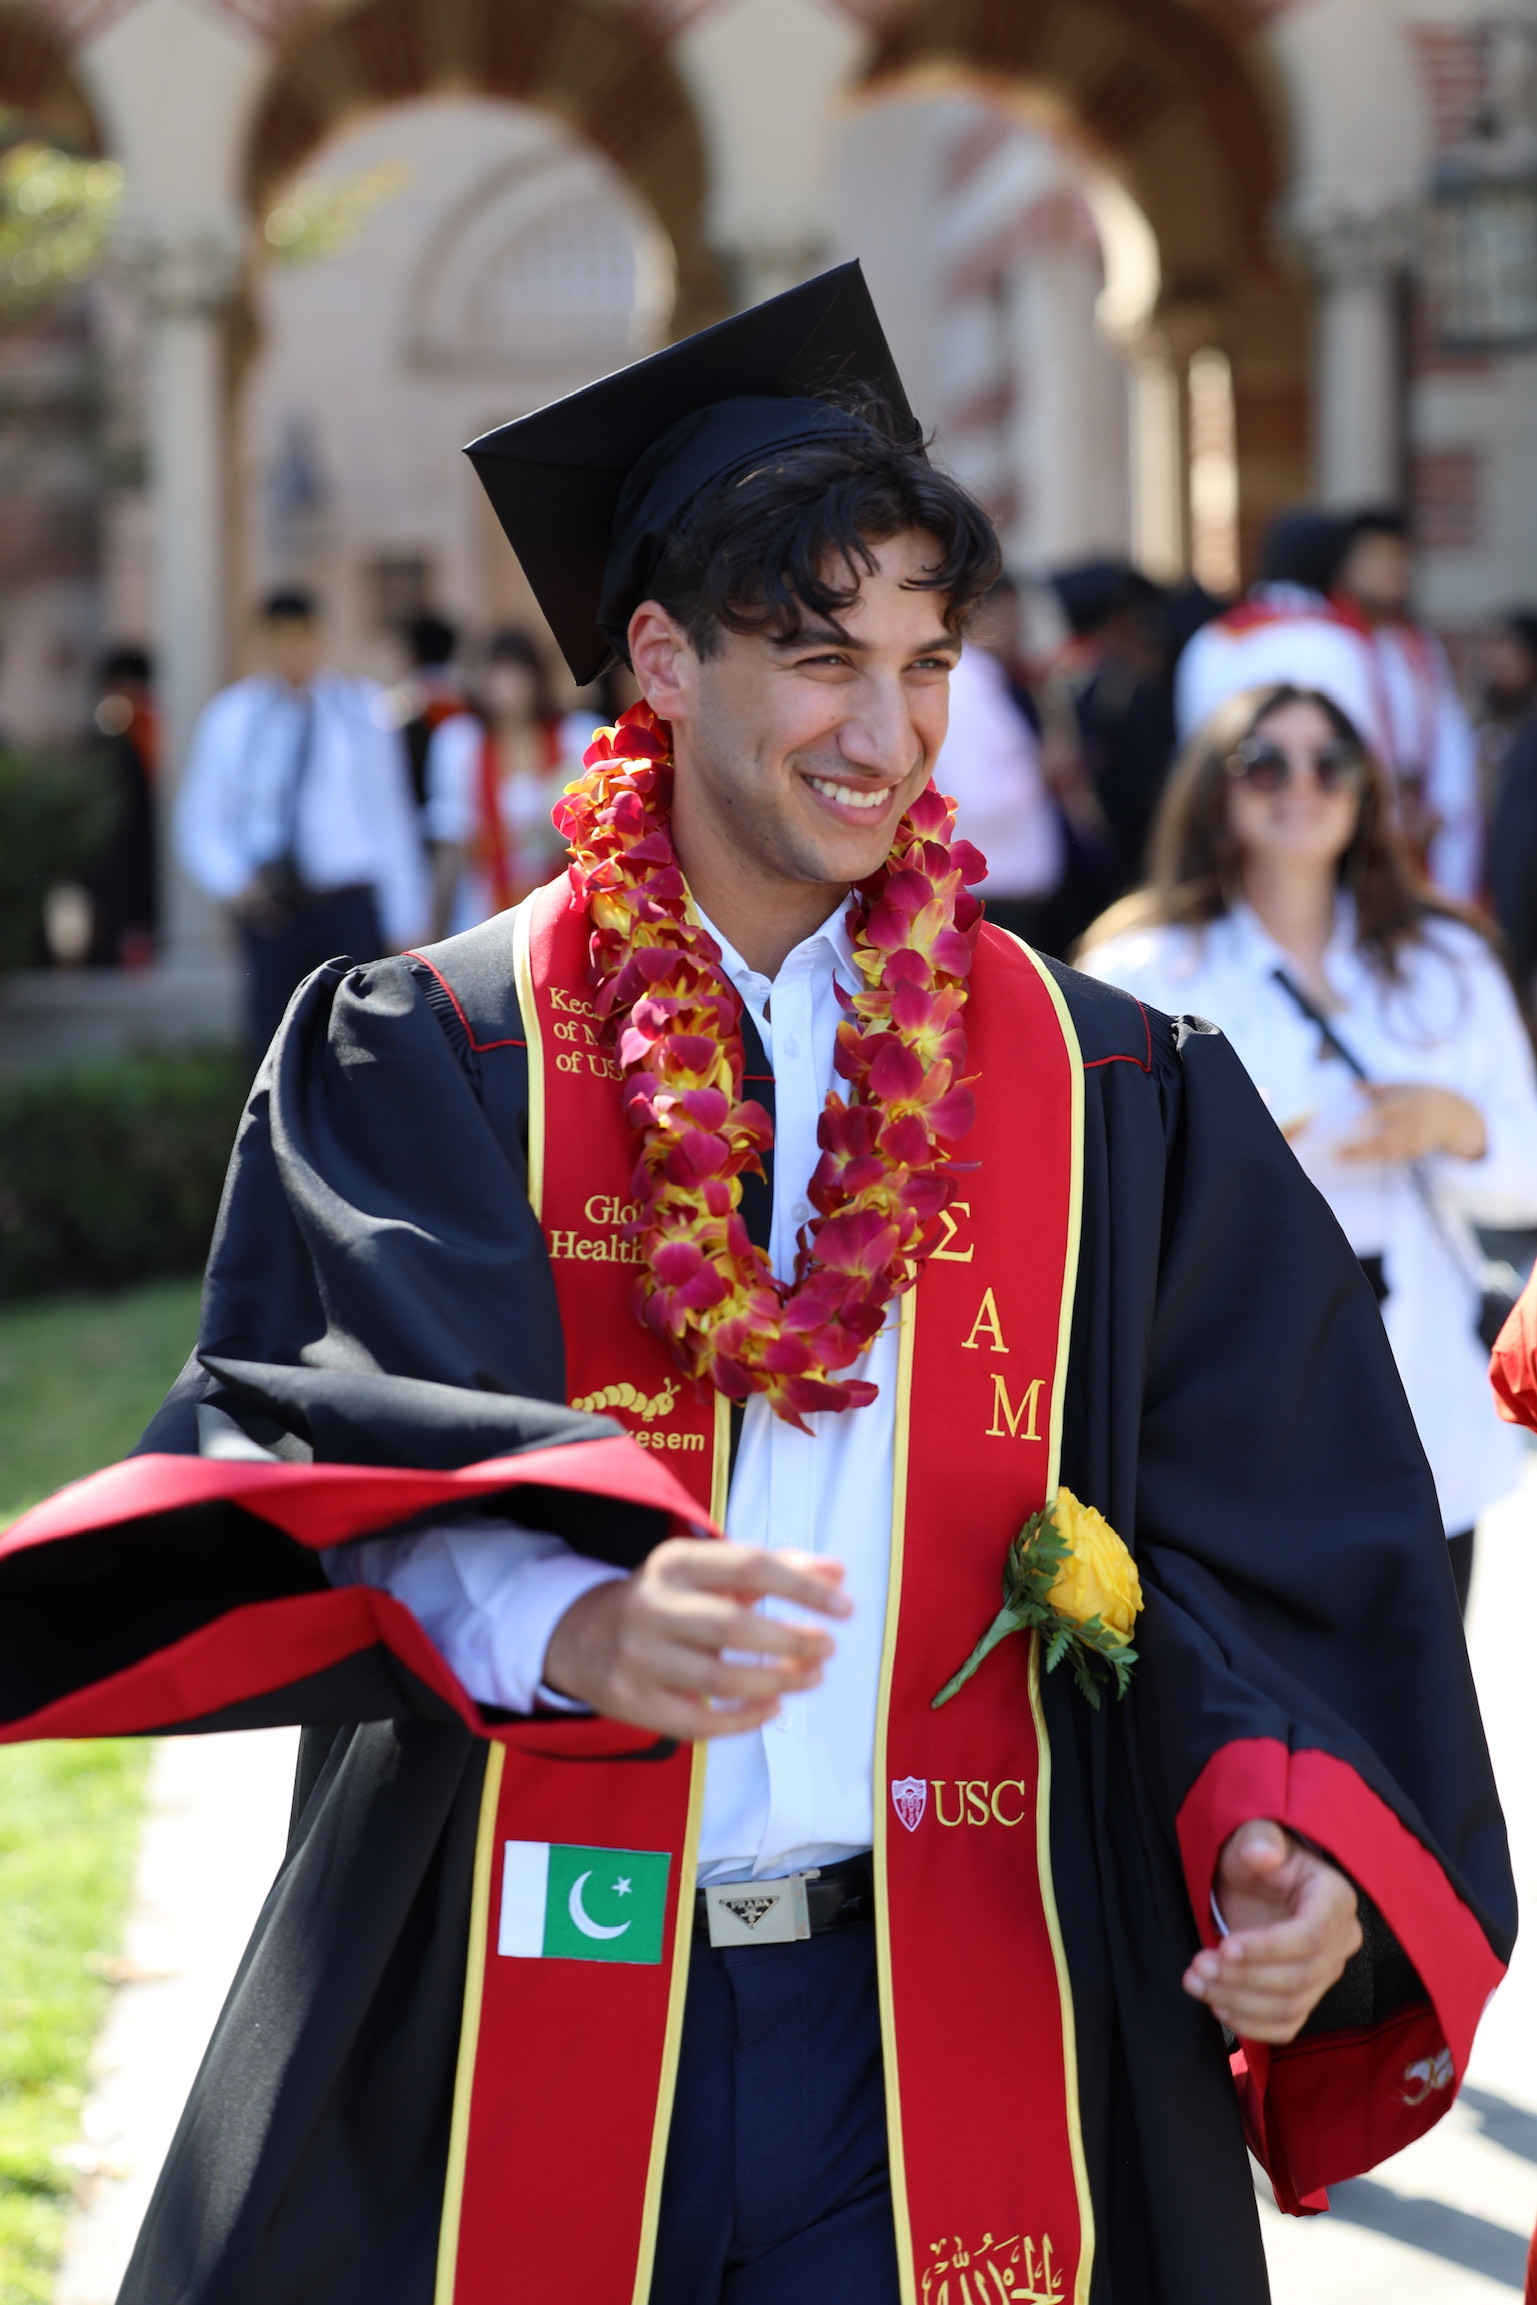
[[1447, 2223], [213, 1838], [1444, 2224]]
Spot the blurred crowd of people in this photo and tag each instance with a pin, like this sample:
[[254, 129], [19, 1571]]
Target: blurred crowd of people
[[1287, 815], [1100, 715], [1282, 819], [328, 815], [316, 803]]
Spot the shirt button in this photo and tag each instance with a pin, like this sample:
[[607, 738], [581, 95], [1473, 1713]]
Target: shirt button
[[802, 1212], [792, 1046]]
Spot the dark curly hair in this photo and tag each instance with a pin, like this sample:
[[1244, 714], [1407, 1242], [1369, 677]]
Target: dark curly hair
[[794, 537]]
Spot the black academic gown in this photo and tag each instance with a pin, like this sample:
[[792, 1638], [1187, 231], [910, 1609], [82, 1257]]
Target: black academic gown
[[379, 1291]]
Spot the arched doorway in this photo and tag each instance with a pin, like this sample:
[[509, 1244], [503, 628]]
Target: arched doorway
[[603, 71], [547, 227], [1182, 109], [497, 262]]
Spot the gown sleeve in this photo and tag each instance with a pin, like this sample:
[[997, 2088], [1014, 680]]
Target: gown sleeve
[[1301, 1655], [379, 1349], [1513, 1362]]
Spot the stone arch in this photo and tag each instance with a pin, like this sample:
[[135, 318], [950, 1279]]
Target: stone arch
[[1185, 108], [36, 77], [605, 72]]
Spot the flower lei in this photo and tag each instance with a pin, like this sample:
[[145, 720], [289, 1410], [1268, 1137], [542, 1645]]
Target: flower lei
[[673, 1021]]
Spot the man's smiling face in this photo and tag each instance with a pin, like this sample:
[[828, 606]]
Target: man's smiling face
[[796, 759]]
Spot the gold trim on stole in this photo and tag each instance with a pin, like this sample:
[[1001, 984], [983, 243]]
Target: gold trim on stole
[[688, 1873], [469, 2031], [523, 981], [1037, 1709], [896, 2154], [677, 1994]]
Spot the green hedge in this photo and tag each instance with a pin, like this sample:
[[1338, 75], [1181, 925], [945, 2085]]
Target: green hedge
[[55, 815], [110, 1172]]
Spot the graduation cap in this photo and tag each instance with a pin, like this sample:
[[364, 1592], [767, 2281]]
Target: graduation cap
[[589, 488]]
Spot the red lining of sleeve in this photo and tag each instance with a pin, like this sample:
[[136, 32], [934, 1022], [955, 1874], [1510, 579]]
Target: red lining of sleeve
[[481, 1047], [325, 1504], [1325, 2108], [272, 1645]]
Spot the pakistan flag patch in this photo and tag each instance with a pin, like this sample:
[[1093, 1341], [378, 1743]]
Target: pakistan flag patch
[[565, 1904]]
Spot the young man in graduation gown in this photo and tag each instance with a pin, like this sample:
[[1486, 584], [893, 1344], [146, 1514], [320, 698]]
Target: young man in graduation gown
[[648, 1929]]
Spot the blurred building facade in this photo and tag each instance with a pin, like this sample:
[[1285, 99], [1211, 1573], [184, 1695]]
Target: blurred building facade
[[1154, 269]]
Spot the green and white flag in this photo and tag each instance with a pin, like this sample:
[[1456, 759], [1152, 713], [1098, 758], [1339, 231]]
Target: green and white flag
[[565, 1904]]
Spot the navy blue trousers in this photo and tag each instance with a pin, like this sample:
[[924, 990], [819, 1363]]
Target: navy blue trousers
[[777, 2189]]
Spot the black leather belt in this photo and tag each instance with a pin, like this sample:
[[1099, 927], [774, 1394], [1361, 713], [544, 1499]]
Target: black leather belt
[[778, 1912]]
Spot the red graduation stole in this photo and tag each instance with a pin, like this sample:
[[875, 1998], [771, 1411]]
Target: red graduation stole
[[583, 1900]]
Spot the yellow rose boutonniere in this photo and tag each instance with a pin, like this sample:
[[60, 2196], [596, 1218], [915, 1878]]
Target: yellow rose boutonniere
[[1068, 1576]]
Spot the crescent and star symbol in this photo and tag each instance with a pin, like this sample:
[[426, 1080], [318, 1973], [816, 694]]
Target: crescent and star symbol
[[582, 1919]]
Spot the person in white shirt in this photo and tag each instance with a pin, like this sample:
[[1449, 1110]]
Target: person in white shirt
[[1431, 755], [295, 814], [492, 777], [990, 766], [1276, 887]]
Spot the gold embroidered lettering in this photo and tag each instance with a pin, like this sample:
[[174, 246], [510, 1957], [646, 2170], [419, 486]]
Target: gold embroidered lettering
[[1009, 1785], [939, 1807], [988, 1324], [944, 1253], [1014, 1417]]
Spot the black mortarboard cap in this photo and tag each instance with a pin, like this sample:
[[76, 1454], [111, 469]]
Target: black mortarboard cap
[[589, 488]]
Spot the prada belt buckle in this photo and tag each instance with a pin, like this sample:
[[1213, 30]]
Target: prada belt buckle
[[758, 1912]]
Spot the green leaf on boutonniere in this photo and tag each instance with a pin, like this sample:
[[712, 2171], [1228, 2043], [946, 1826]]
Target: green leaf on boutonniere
[[1032, 1568]]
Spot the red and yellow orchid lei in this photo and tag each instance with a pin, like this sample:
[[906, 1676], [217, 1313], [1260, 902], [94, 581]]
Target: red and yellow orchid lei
[[673, 1021]]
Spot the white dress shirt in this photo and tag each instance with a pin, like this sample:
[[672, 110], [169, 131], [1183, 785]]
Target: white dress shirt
[[454, 809], [797, 1792], [1451, 1022], [990, 765], [355, 819]]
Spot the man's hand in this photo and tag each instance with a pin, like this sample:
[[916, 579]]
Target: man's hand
[[650, 1648], [1293, 1924]]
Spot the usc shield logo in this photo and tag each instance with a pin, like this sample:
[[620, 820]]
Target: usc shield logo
[[910, 1797]]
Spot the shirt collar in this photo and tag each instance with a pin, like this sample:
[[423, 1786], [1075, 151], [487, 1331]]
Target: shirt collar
[[828, 950], [1253, 938]]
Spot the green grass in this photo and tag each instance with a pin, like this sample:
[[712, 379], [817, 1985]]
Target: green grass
[[79, 1379], [69, 1818]]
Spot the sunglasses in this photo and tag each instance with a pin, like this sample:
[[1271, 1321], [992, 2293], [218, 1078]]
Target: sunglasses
[[1265, 767]]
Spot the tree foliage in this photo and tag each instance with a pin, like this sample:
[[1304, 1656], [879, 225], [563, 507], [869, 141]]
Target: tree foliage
[[323, 215], [55, 214]]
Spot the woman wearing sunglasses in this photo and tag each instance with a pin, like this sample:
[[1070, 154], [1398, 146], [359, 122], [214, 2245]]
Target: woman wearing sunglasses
[[1375, 1018]]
